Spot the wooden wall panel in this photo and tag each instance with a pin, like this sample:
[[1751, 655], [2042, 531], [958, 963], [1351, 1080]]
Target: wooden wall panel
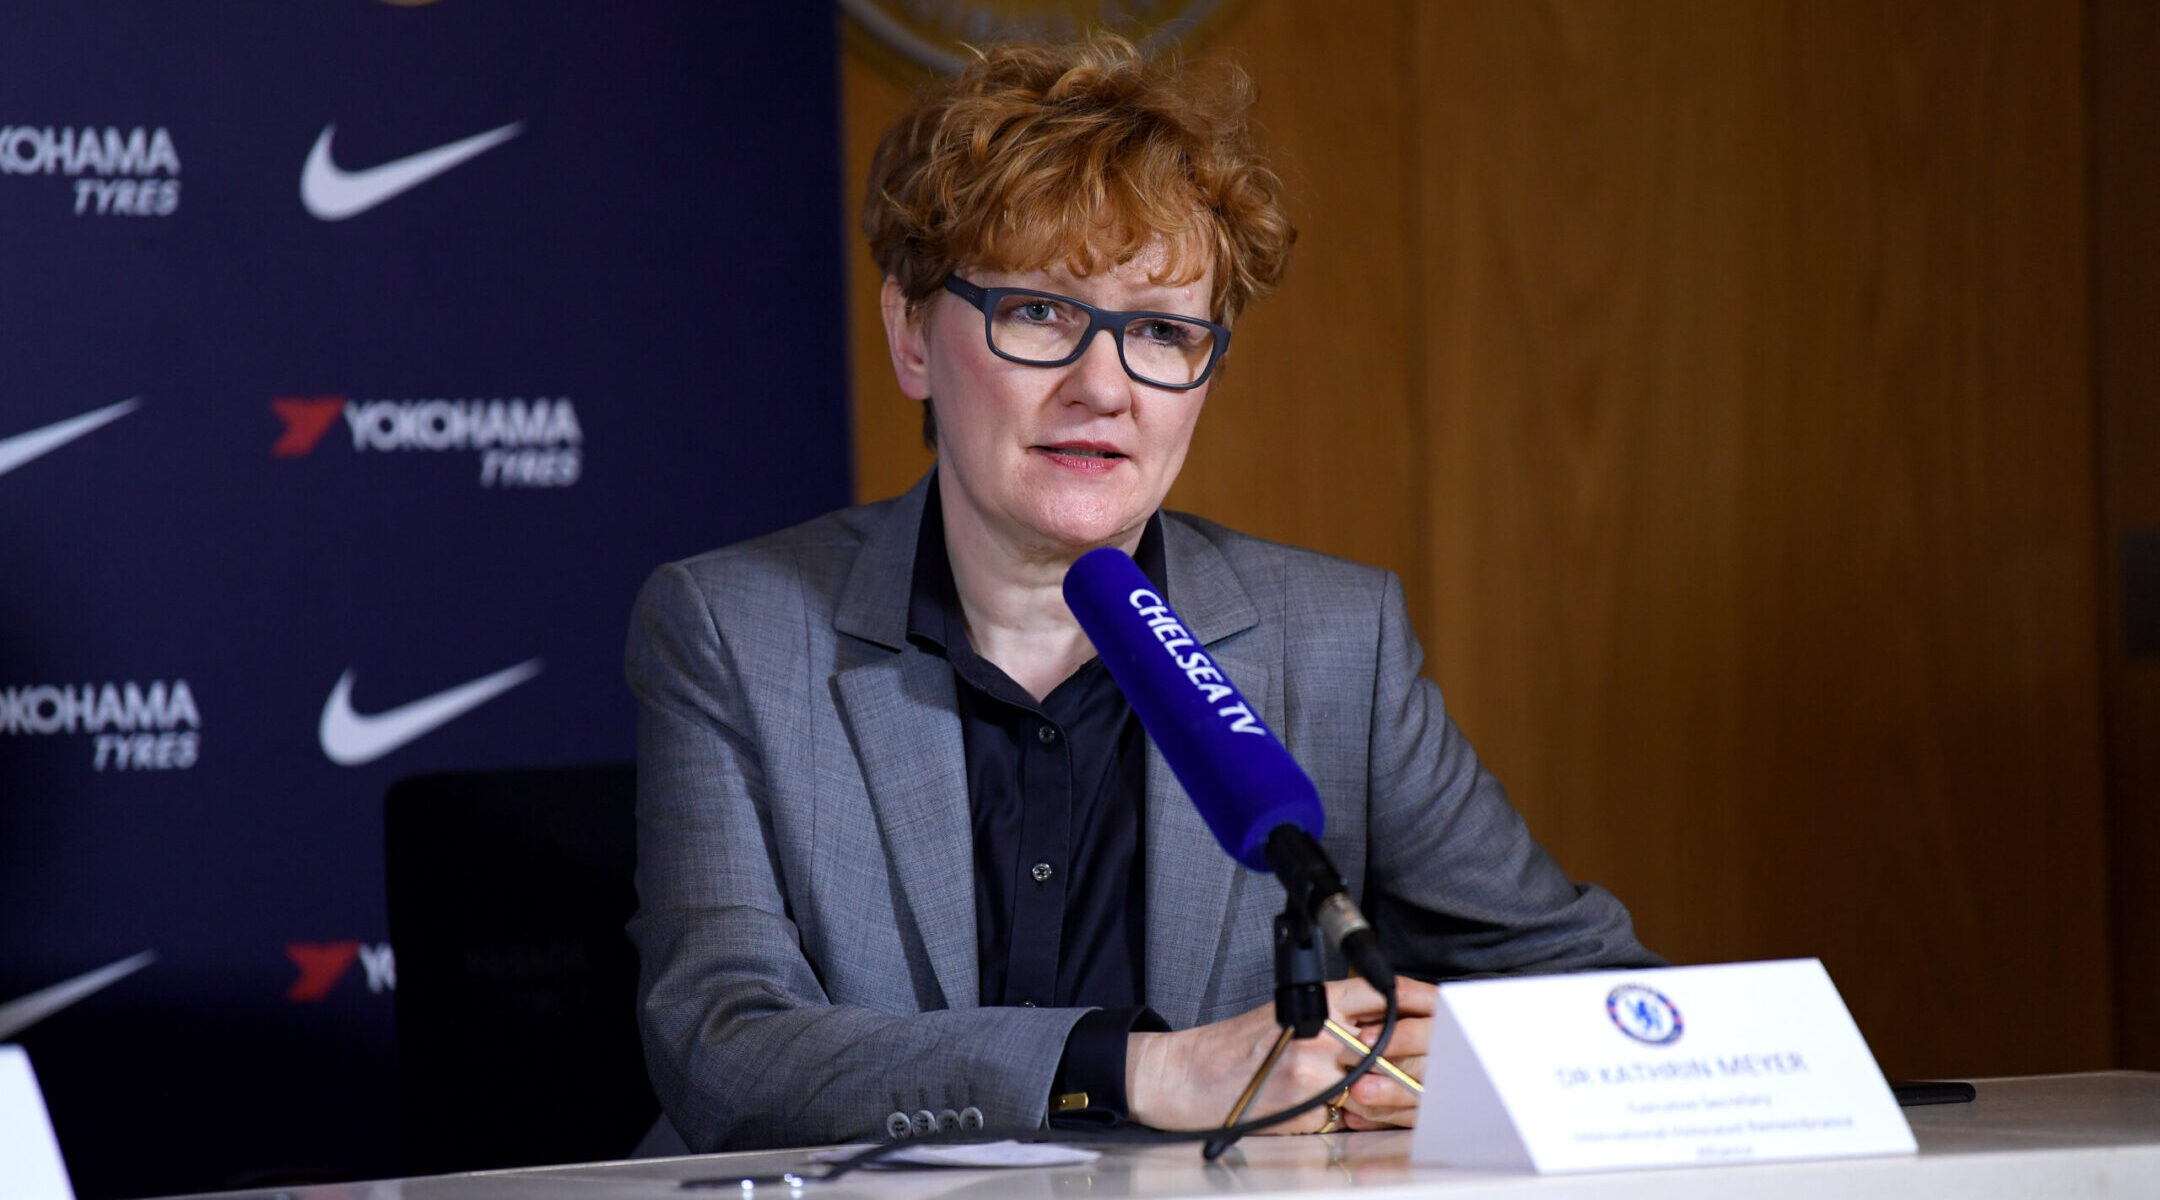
[[889, 453], [1312, 436], [1762, 487], [1592, 353], [1716, 377], [2126, 312]]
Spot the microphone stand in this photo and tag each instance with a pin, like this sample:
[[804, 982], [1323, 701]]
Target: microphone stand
[[1300, 1000]]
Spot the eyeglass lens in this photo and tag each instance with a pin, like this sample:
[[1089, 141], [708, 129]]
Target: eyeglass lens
[[1045, 329]]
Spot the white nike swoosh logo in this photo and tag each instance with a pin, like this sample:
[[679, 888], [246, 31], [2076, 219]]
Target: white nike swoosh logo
[[18, 1015], [351, 739], [23, 447], [333, 194]]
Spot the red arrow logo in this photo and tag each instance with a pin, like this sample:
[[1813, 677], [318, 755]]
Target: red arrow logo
[[306, 419], [321, 965]]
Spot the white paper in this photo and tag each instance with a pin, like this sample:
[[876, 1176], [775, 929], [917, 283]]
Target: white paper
[[1734, 1063], [973, 1154], [30, 1164], [994, 1154]]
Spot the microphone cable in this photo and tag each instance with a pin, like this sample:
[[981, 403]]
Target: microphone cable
[[1216, 1141], [1219, 1140]]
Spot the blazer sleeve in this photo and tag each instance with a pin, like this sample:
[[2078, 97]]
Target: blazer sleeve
[[743, 1045], [1456, 884]]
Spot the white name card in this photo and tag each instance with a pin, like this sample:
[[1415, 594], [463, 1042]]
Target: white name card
[[1743, 1062], [30, 1166]]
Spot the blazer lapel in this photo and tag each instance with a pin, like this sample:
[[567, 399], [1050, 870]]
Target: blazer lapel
[[903, 717], [1193, 886]]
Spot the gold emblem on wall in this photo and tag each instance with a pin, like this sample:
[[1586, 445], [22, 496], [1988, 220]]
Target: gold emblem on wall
[[934, 35]]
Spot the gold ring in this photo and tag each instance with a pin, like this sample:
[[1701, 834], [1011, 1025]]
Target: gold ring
[[1334, 1119]]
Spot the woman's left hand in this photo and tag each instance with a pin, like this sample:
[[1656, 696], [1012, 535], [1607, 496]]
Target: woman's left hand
[[1376, 1101]]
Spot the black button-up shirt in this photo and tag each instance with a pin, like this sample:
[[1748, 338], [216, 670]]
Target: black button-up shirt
[[1057, 794]]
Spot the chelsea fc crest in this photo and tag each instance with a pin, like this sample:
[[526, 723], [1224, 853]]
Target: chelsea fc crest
[[1644, 1014]]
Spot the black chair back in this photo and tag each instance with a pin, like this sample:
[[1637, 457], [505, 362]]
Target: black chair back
[[516, 986]]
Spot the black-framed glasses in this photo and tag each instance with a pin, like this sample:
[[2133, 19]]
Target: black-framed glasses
[[1044, 329]]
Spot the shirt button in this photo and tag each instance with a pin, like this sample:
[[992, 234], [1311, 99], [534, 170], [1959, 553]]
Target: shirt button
[[1041, 872], [1045, 734], [898, 1126]]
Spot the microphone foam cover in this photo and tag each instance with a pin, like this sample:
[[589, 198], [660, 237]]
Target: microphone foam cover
[[1237, 772]]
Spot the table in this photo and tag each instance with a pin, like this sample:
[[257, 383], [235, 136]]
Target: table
[[2033, 1136]]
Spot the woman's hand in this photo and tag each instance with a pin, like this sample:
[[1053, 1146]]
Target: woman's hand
[[1376, 1101], [1190, 1078]]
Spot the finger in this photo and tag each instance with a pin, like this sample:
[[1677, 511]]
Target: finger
[[1377, 1087], [1381, 1086], [1376, 1096], [1377, 1090], [1413, 998], [1412, 1036], [1374, 1092], [1363, 1117], [1354, 997]]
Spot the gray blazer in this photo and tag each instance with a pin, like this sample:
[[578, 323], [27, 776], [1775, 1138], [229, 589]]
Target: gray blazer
[[806, 916]]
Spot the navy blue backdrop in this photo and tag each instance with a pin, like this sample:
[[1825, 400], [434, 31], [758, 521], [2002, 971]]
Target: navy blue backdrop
[[316, 403]]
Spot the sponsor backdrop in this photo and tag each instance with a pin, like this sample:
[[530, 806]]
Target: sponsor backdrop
[[357, 360]]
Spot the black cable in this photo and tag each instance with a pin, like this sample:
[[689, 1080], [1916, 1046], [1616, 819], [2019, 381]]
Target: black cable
[[1217, 1140], [1222, 1139]]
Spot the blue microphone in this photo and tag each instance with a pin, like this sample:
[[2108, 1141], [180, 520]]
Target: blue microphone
[[1255, 798], [1238, 774]]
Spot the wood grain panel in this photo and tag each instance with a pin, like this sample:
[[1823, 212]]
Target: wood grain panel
[[2126, 310], [1585, 446], [1312, 435], [1762, 489], [889, 453]]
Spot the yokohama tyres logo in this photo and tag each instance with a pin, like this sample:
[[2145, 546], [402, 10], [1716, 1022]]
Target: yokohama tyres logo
[[133, 726], [112, 172], [533, 443], [322, 965]]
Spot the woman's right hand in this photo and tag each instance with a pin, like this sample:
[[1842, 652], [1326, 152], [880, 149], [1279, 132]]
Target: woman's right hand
[[1189, 1079]]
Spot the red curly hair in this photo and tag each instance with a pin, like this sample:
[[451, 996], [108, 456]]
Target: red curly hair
[[1080, 155]]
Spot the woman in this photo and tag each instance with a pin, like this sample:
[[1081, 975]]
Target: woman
[[905, 858]]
